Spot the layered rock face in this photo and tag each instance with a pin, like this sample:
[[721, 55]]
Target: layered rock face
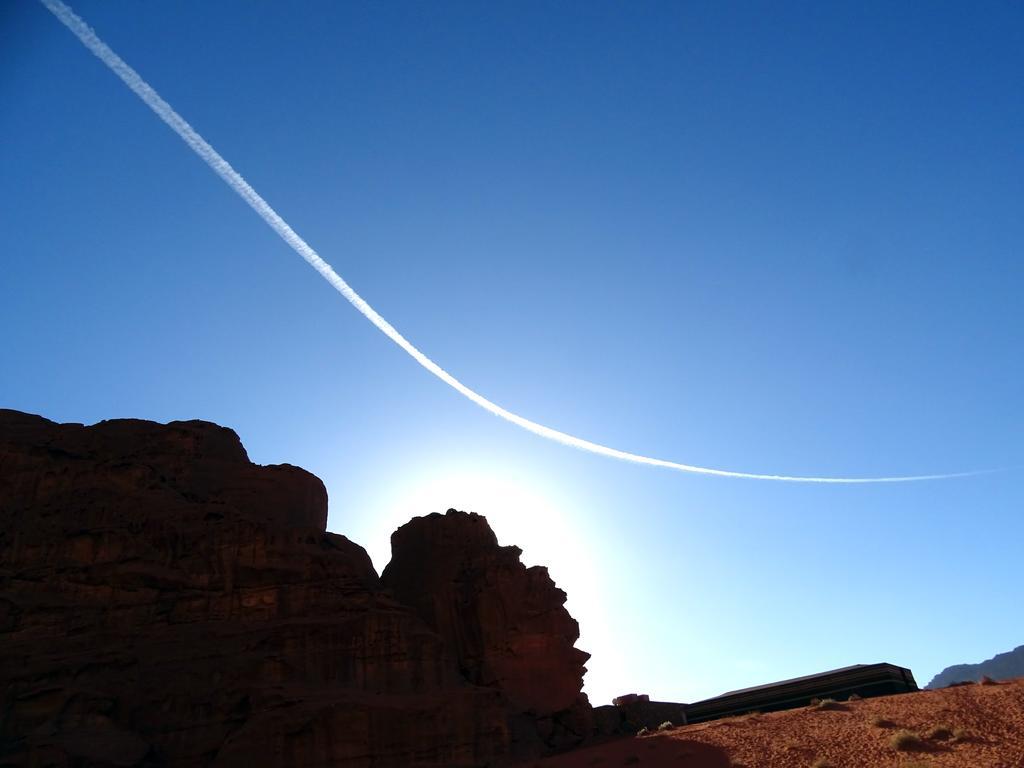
[[506, 623], [163, 601]]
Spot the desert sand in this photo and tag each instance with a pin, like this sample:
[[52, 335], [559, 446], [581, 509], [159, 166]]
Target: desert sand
[[987, 720]]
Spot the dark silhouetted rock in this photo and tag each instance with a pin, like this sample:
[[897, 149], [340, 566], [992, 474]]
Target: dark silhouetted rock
[[506, 623], [165, 602], [1003, 666]]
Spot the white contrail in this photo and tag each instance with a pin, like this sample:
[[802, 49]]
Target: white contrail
[[234, 180]]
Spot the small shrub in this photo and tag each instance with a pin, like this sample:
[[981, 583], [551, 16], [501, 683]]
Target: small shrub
[[666, 726], [815, 702], [821, 762], [828, 704], [939, 733], [854, 697], [643, 732], [906, 741], [960, 734], [986, 680], [882, 722]]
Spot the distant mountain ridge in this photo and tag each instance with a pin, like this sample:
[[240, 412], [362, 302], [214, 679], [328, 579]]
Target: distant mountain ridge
[[1003, 666]]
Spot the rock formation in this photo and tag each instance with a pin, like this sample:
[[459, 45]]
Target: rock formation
[[506, 623], [1002, 666], [165, 602]]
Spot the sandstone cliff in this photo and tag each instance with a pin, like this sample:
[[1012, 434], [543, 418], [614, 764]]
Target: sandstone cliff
[[164, 601], [506, 623]]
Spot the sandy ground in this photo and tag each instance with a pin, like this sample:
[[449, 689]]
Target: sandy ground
[[988, 721]]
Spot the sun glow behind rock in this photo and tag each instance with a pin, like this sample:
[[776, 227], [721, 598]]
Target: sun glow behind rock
[[548, 529]]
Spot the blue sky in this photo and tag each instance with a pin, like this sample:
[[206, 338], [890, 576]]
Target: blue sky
[[762, 238]]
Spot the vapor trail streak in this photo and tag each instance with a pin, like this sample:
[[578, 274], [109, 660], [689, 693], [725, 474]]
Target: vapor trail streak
[[234, 180]]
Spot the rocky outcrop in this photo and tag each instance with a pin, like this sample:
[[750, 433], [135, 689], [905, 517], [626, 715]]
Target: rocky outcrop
[[506, 623], [1002, 666], [165, 602]]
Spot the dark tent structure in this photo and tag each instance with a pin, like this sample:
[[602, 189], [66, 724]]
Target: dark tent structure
[[630, 712], [864, 680]]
